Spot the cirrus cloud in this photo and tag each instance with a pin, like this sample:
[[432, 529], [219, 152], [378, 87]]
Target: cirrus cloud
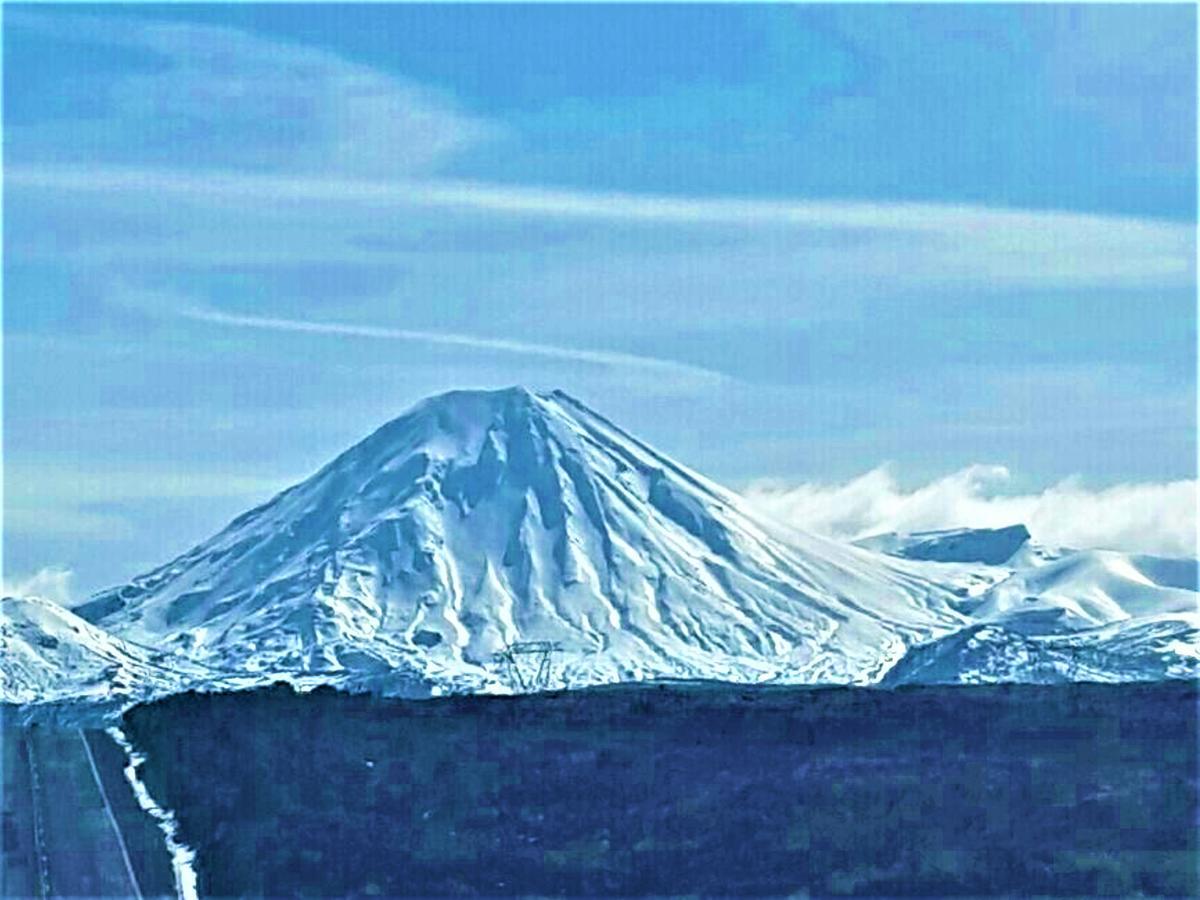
[[925, 243], [221, 96]]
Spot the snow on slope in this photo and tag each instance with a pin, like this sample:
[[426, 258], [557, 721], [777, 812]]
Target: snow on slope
[[1086, 588], [48, 653], [480, 519], [1175, 573], [1153, 648], [1046, 614], [1061, 589]]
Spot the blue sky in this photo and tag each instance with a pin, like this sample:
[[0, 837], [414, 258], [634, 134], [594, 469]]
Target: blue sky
[[788, 242]]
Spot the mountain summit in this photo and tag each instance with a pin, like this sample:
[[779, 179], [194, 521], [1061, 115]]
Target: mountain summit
[[480, 520]]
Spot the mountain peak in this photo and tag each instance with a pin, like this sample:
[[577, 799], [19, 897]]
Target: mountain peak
[[49, 654], [475, 399], [482, 518], [513, 398], [458, 420]]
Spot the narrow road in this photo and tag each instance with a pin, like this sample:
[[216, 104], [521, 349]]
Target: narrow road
[[39, 828], [80, 846], [112, 820]]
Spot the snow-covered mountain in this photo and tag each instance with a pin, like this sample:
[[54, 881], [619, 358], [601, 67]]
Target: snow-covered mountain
[[479, 520], [483, 521], [1082, 589], [1016, 576], [48, 654], [1152, 648], [1044, 614]]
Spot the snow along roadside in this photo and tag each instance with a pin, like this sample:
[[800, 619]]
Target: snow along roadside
[[182, 857]]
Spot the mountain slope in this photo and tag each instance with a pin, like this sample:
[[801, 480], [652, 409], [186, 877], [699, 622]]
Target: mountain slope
[[1047, 615], [48, 653], [1085, 588], [1001, 576], [1154, 648], [482, 519]]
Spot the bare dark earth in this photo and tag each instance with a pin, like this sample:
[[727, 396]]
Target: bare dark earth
[[704, 790]]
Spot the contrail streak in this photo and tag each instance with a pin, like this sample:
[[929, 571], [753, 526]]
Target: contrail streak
[[450, 339]]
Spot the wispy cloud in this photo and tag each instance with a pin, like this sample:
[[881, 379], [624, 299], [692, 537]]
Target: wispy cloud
[[946, 243], [438, 338], [222, 96], [937, 218], [50, 583], [263, 138], [1147, 517]]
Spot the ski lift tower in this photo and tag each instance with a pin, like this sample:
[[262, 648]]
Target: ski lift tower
[[540, 655]]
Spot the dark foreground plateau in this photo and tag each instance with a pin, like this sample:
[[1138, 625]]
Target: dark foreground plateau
[[672, 789]]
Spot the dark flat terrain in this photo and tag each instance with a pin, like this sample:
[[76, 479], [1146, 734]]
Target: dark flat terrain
[[703, 790]]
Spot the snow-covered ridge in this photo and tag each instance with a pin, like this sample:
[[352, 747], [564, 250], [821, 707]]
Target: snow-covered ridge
[[49, 653], [1153, 648], [992, 546], [1013, 579], [480, 520], [1044, 614]]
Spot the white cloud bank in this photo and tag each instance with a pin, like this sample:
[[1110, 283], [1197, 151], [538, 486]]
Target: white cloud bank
[[1150, 517], [51, 583]]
